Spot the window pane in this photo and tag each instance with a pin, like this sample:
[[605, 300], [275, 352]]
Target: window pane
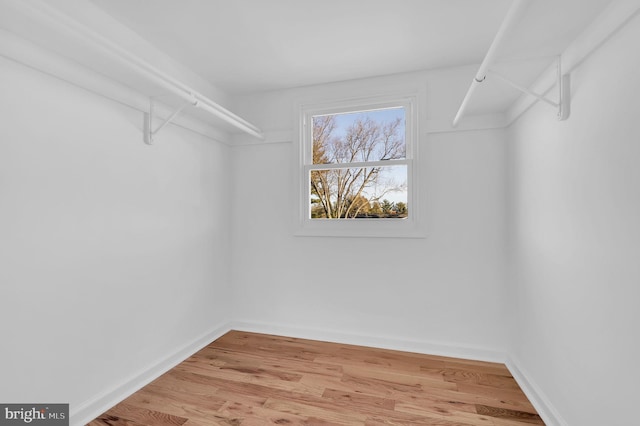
[[360, 193], [359, 136]]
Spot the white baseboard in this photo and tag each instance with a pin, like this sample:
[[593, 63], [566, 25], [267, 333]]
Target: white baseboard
[[90, 409], [540, 401], [382, 342]]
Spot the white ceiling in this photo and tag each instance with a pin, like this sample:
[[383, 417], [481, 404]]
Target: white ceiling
[[244, 46]]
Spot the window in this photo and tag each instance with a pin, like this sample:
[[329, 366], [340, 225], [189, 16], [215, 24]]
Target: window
[[357, 168]]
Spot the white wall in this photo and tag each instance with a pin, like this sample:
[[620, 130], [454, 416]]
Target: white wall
[[444, 293], [575, 242], [114, 253]]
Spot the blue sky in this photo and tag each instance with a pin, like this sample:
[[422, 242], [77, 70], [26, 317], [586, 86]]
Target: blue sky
[[343, 121]]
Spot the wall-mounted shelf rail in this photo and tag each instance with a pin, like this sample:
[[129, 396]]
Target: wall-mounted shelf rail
[[514, 13], [54, 17]]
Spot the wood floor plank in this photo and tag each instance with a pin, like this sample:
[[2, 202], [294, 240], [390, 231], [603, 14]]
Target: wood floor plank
[[180, 405], [113, 420], [434, 406], [124, 413], [479, 366], [392, 388], [493, 392], [218, 420], [401, 419], [354, 357], [511, 415], [257, 415], [479, 378], [352, 399], [470, 419], [394, 376], [241, 377], [457, 397], [249, 379], [185, 383], [332, 415]]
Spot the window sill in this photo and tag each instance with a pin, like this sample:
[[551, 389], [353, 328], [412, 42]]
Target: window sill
[[349, 228]]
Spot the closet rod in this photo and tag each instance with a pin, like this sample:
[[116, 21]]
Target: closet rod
[[513, 15], [143, 68]]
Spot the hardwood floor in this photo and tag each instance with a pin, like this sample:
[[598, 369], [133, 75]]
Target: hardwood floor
[[256, 379]]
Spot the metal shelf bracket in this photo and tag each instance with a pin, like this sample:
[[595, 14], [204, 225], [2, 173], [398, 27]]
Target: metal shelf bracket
[[515, 12], [147, 119], [564, 91]]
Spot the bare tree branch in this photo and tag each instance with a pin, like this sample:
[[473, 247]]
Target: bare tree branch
[[341, 191]]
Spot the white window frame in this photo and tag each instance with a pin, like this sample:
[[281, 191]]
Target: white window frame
[[409, 227]]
